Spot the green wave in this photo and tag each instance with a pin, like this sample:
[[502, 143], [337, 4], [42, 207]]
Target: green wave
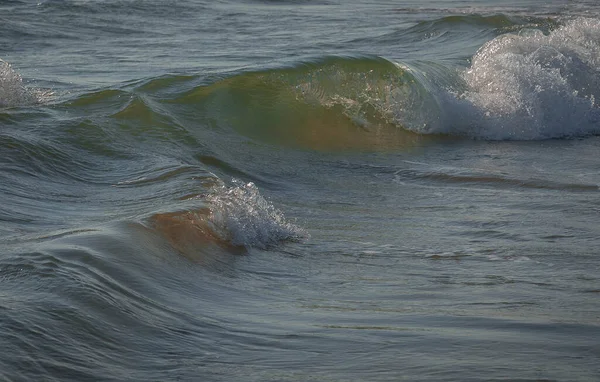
[[331, 103]]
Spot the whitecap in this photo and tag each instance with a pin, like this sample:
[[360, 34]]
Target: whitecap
[[532, 85]]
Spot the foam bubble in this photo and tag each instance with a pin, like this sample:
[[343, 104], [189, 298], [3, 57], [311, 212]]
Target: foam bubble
[[243, 217], [532, 86]]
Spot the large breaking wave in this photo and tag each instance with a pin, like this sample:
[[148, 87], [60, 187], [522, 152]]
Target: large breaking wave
[[528, 84], [535, 80]]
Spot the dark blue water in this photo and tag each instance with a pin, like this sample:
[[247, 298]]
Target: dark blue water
[[299, 191]]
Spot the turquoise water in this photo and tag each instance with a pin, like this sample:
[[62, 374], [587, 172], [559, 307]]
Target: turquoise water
[[299, 191]]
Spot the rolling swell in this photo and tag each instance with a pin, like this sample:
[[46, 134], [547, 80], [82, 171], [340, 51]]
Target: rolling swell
[[331, 103], [534, 79], [539, 82], [85, 311]]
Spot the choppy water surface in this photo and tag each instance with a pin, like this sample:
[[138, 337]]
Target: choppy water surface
[[299, 190]]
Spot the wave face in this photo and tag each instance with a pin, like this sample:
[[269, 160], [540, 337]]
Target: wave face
[[329, 103]]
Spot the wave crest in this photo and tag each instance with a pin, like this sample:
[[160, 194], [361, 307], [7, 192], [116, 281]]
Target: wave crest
[[233, 218]]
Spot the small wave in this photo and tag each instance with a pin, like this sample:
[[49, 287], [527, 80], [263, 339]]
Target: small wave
[[233, 218], [14, 93], [288, 2], [488, 9], [466, 177]]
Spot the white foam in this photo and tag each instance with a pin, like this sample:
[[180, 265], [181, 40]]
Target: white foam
[[243, 217], [12, 90], [531, 86]]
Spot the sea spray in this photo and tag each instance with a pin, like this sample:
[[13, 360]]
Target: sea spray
[[532, 85], [12, 90], [244, 217]]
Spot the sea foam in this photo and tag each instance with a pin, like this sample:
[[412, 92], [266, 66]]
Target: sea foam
[[532, 85], [12, 90]]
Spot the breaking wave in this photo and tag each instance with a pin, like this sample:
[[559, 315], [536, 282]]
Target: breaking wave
[[539, 81], [535, 80], [244, 217], [533, 85], [233, 218]]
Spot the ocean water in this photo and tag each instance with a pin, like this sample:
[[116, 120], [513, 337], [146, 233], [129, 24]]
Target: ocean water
[[299, 190]]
